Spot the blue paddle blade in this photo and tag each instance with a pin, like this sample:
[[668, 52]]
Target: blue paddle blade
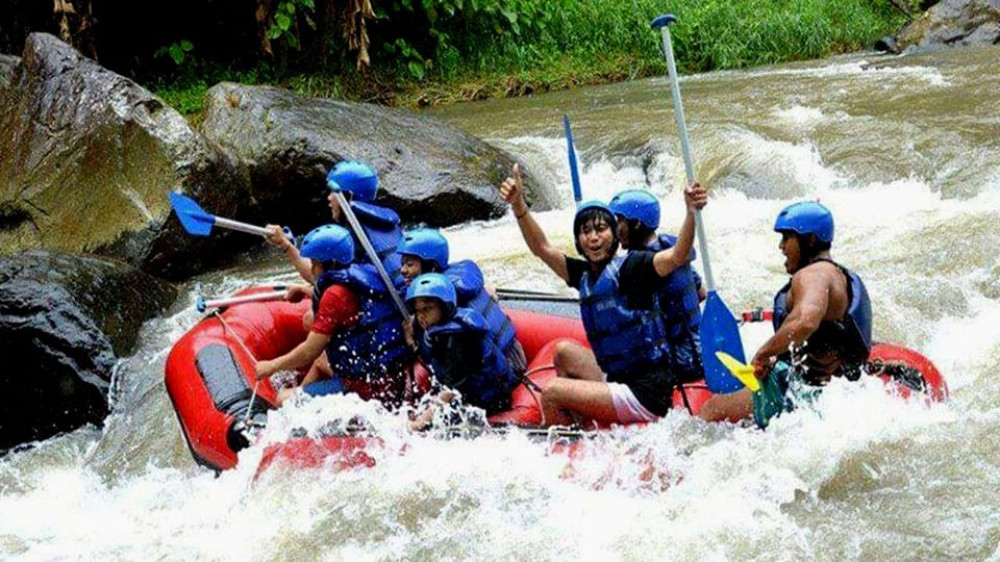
[[719, 332], [574, 173], [193, 218]]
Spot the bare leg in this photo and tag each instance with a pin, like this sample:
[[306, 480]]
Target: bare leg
[[575, 361], [591, 399], [730, 407]]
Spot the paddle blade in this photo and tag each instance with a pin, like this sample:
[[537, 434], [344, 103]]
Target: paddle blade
[[193, 218], [719, 332], [739, 370]]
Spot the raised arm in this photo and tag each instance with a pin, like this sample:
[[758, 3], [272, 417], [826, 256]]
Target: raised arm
[[512, 191], [665, 261]]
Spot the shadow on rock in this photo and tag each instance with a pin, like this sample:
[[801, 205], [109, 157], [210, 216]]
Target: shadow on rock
[[65, 320]]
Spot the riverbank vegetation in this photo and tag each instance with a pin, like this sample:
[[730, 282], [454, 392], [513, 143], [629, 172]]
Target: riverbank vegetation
[[425, 52]]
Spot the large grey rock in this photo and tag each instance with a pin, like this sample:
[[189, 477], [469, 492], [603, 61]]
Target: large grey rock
[[430, 172], [952, 23], [64, 321], [88, 159]]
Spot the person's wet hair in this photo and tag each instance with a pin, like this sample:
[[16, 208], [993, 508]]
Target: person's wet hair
[[637, 234], [427, 266], [809, 247]]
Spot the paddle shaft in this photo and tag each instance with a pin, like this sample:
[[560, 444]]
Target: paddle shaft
[[675, 90], [574, 172], [205, 304], [516, 295], [241, 226], [345, 208]]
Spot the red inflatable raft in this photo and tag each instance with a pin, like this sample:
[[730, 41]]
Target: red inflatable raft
[[209, 378]]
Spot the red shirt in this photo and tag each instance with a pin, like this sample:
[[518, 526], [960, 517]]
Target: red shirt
[[338, 309]]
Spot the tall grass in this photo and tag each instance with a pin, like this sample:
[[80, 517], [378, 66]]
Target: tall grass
[[433, 51], [710, 34]]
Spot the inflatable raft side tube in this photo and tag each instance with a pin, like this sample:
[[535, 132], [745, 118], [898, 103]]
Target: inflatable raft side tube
[[200, 460], [227, 385]]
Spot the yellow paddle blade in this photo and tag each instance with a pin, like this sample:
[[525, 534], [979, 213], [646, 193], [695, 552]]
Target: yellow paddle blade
[[742, 372]]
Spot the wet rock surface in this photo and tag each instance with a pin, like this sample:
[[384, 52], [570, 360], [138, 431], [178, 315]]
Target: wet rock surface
[[65, 321]]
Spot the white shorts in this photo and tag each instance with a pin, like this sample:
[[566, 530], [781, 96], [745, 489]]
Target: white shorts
[[627, 406]]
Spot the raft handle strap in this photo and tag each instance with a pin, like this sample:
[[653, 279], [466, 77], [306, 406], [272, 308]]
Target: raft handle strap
[[533, 387], [248, 424], [899, 372]]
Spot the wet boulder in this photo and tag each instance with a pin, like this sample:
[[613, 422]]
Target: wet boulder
[[952, 23], [88, 159], [65, 321], [430, 172]]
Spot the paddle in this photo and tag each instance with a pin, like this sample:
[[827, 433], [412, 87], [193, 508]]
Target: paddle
[[203, 304], [745, 373], [719, 331], [196, 221], [523, 295], [345, 208], [574, 173]]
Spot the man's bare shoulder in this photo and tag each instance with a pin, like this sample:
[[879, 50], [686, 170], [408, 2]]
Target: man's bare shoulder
[[818, 275]]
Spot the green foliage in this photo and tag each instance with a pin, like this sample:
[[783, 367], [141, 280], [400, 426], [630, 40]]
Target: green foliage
[[283, 21], [185, 98], [427, 51], [415, 64], [519, 35], [177, 51]]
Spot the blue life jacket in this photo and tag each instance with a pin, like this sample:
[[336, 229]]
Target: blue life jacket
[[470, 288], [382, 227], [625, 340], [680, 311], [486, 389], [851, 337], [375, 344]]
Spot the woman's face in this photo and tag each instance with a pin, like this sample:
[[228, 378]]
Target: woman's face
[[596, 238], [411, 267]]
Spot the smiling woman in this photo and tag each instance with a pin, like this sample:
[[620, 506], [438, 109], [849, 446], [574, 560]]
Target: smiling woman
[[632, 363], [596, 232]]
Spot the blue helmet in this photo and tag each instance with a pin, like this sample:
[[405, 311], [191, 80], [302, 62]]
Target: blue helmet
[[328, 243], [432, 285], [587, 210], [806, 217], [355, 178], [427, 244], [637, 204]]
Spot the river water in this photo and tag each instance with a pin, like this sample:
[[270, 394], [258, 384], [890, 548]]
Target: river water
[[905, 151]]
